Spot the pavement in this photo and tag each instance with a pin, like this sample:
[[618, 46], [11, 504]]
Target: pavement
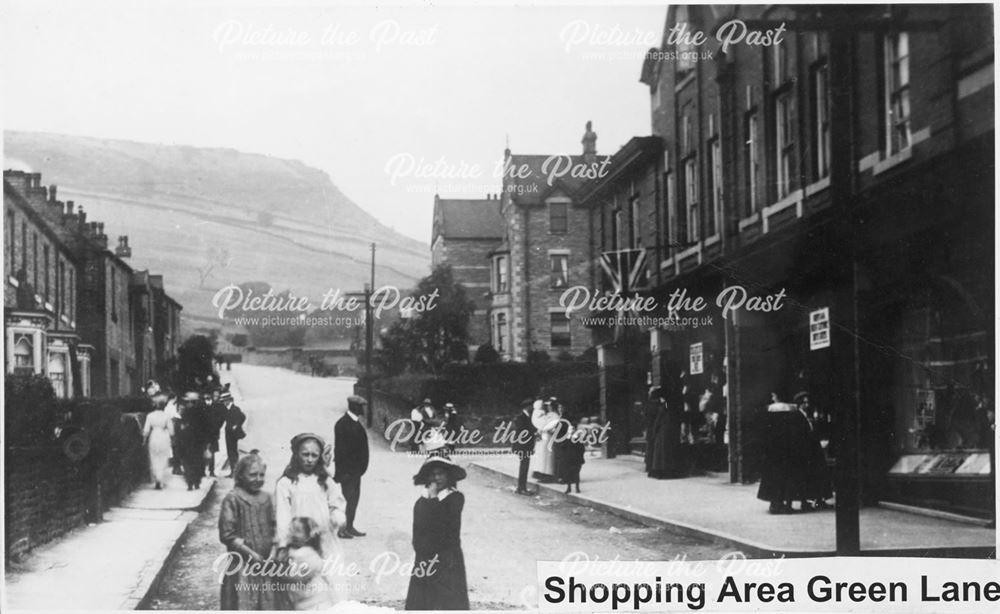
[[712, 508], [111, 565]]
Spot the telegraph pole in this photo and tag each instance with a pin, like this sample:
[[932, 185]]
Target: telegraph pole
[[369, 340]]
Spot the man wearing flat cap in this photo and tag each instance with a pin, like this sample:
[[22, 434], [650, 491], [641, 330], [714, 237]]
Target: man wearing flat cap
[[350, 459]]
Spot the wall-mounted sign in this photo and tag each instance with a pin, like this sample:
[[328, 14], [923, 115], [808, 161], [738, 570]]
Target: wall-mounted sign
[[819, 329], [697, 359]]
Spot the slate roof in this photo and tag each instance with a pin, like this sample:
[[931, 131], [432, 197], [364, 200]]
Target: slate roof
[[468, 219]]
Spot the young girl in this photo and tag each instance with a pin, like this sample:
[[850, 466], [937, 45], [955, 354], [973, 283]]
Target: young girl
[[306, 490], [307, 587], [246, 527], [437, 542]]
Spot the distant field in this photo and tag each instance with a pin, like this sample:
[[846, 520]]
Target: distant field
[[175, 242]]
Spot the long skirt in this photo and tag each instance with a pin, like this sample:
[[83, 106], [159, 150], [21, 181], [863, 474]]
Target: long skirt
[[444, 589], [159, 456]]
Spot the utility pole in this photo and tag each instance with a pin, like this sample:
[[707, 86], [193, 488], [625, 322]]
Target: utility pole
[[369, 339], [847, 472]]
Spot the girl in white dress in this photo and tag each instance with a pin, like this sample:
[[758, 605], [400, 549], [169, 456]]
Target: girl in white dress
[[307, 490]]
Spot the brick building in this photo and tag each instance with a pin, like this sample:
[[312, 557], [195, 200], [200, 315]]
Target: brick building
[[851, 168], [545, 251], [91, 290], [465, 233], [40, 297]]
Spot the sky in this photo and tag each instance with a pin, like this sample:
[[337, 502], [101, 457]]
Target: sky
[[395, 103]]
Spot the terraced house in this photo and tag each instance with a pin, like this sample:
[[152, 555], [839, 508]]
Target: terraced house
[[75, 310], [849, 166]]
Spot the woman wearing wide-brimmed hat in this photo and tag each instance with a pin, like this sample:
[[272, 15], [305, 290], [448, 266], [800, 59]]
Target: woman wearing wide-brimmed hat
[[438, 579]]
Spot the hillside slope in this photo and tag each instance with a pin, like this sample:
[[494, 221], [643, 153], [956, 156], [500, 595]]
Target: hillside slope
[[207, 218]]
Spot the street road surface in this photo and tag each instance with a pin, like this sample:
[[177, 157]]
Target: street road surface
[[503, 534]]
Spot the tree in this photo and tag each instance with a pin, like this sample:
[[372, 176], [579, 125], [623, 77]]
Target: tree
[[486, 353], [215, 257], [435, 336], [194, 358]]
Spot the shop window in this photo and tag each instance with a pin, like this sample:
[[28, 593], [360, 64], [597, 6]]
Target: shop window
[[560, 332]]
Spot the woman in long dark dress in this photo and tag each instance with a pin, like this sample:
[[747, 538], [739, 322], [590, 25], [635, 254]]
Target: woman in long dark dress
[[438, 579], [667, 460], [785, 456]]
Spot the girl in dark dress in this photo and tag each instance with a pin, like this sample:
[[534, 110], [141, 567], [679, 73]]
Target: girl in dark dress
[[438, 578]]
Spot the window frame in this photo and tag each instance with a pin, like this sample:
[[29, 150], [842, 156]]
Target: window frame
[[893, 62], [784, 142], [553, 228], [692, 212], [561, 274], [752, 156], [565, 338], [820, 90]]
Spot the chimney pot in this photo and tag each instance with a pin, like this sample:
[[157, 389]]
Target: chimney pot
[[83, 218], [69, 207]]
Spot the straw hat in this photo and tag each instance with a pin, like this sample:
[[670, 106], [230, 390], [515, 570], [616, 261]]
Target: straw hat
[[435, 461]]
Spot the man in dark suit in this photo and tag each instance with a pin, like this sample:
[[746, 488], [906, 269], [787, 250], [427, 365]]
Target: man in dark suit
[[524, 444], [234, 432], [350, 459]]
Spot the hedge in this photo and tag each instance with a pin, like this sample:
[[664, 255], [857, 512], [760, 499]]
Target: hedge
[[497, 389]]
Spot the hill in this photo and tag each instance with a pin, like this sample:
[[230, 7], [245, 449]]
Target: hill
[[208, 218]]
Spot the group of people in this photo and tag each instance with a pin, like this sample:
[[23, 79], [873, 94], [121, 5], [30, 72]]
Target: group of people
[[794, 466], [432, 427], [677, 416], [182, 433], [561, 454], [283, 548]]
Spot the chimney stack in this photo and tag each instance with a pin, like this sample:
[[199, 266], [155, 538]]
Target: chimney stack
[[52, 193], [123, 250], [83, 218], [589, 141]]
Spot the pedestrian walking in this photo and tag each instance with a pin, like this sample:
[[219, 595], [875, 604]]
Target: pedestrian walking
[[246, 527], [438, 580], [350, 460], [157, 433], [173, 412], [524, 444], [234, 429], [193, 439], [306, 489]]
